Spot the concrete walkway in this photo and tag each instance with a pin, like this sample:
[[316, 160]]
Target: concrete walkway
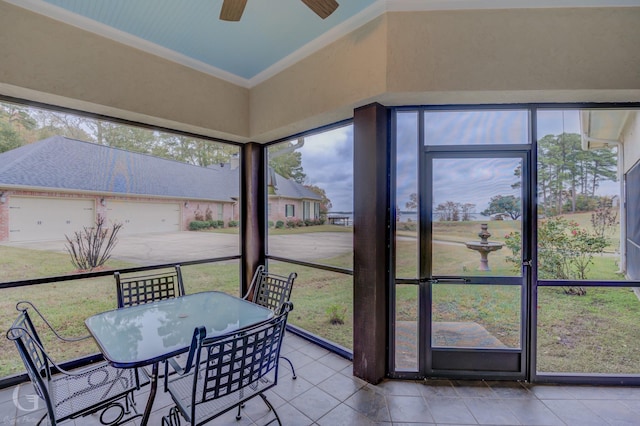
[[173, 247]]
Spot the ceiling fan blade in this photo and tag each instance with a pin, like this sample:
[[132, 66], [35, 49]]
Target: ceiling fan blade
[[322, 8], [232, 10]]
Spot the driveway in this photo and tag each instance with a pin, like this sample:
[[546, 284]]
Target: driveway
[[174, 247]]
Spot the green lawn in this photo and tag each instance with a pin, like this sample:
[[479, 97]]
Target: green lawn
[[591, 333]]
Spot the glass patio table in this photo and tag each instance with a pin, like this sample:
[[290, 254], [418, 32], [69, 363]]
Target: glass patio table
[[148, 334]]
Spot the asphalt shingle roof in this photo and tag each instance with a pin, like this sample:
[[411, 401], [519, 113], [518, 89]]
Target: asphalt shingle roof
[[63, 163]]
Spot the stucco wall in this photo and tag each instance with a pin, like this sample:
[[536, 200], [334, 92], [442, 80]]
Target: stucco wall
[[47, 61], [324, 87], [459, 57], [514, 50]]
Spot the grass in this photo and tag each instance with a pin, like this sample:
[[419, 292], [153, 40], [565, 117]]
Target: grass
[[595, 333], [315, 293], [591, 333], [67, 304], [22, 264]]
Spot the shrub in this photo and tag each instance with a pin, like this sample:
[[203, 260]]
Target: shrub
[[91, 247], [197, 215], [292, 223], [565, 251], [220, 223], [336, 314], [605, 217], [233, 224], [406, 226], [279, 224], [208, 215], [196, 225], [270, 224], [212, 224], [308, 222]]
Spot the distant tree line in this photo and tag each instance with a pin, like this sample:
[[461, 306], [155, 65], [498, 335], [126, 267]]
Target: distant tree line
[[22, 125], [568, 180], [568, 176]]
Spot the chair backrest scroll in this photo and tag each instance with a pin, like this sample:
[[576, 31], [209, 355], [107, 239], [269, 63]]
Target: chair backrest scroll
[[34, 357], [140, 289], [271, 290]]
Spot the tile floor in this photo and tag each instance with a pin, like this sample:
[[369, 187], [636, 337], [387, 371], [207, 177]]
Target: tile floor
[[326, 393]]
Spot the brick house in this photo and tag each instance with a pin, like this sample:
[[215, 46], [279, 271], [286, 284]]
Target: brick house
[[56, 186]]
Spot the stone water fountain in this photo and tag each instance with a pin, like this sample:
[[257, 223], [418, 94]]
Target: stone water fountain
[[484, 247]]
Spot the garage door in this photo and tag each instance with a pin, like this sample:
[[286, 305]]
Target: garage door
[[40, 219], [144, 218]]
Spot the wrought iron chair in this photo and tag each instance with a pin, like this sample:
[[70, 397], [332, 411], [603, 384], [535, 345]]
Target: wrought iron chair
[[72, 394], [223, 372], [271, 291], [138, 289]]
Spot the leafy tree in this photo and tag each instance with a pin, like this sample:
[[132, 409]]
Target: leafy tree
[[18, 119], [412, 204], [467, 209], [449, 211], [286, 161], [517, 172], [198, 152], [566, 172], [504, 204], [602, 166], [52, 123], [129, 138], [9, 138]]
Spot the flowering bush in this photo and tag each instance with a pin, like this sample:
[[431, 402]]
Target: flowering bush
[[565, 251]]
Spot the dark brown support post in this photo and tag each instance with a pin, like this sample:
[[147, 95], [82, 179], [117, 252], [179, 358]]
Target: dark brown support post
[[252, 211], [371, 242]]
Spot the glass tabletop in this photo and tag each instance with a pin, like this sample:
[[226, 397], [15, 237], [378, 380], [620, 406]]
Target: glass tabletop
[[143, 334]]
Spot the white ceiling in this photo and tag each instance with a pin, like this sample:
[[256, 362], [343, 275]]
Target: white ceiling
[[271, 35]]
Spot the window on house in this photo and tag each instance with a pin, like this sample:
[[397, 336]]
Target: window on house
[[306, 210], [289, 210]]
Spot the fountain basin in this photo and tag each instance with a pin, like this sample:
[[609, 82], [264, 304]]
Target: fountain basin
[[484, 247], [488, 246]]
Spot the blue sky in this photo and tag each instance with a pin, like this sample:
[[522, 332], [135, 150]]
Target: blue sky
[[327, 160]]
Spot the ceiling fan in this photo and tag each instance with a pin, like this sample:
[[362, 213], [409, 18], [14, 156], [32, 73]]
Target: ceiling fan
[[232, 9]]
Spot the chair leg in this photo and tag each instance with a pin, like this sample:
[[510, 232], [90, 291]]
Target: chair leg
[[172, 419], [266, 401], [293, 370]]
